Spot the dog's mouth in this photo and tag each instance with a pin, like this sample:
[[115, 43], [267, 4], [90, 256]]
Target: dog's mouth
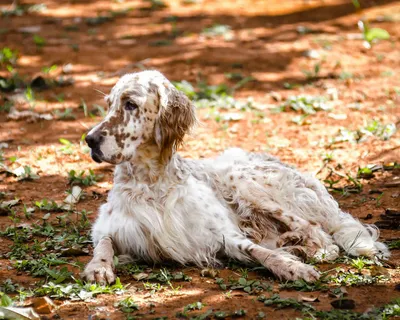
[[96, 155]]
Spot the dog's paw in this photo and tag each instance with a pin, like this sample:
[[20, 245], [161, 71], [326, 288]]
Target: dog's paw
[[296, 270], [290, 238], [100, 271], [306, 272]]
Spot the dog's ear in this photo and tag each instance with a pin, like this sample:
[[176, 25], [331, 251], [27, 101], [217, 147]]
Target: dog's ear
[[176, 116]]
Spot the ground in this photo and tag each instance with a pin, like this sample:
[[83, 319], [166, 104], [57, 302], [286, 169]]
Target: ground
[[261, 54]]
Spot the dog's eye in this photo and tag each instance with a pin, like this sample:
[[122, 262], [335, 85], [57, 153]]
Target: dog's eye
[[130, 106]]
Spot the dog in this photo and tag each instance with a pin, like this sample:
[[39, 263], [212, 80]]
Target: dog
[[245, 206]]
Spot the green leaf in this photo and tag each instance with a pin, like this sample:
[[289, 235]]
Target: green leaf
[[65, 141], [242, 281], [376, 33], [6, 301]]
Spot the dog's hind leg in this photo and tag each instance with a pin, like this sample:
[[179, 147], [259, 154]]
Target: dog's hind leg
[[101, 268], [282, 264]]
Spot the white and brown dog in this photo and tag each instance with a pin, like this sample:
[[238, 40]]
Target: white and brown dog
[[247, 206]]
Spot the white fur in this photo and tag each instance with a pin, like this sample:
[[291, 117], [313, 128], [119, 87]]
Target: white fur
[[247, 206]]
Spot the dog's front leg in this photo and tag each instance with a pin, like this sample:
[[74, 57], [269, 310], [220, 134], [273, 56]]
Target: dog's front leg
[[101, 268]]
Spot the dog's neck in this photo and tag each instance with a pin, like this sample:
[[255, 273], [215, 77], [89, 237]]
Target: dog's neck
[[146, 167]]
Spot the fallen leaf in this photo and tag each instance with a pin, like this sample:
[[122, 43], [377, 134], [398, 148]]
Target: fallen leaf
[[302, 298], [74, 251], [43, 305], [337, 116], [5, 206], [232, 116], [28, 115], [74, 196], [209, 273], [30, 29], [140, 276], [379, 271], [338, 292], [16, 313]]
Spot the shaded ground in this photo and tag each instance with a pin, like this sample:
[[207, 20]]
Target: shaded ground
[[94, 42]]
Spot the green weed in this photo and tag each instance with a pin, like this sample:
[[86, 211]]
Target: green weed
[[66, 115], [280, 303], [8, 56], [372, 35], [248, 286], [39, 41], [128, 305], [306, 104], [302, 285], [394, 244], [83, 179], [78, 290]]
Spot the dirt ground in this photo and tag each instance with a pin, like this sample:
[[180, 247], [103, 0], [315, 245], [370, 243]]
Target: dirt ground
[[277, 43]]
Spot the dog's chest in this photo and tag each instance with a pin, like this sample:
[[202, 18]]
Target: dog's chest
[[175, 222]]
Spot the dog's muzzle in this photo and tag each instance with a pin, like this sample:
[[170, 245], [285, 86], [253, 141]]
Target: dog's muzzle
[[94, 141]]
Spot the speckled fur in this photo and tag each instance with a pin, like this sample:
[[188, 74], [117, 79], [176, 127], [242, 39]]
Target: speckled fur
[[247, 206]]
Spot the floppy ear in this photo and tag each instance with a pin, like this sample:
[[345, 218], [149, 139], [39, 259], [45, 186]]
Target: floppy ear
[[176, 117]]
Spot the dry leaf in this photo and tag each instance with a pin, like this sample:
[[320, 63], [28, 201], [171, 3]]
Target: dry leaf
[[302, 298], [379, 271], [74, 196], [209, 272], [140, 276], [43, 305], [16, 313]]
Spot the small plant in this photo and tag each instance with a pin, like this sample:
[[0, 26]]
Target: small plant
[[305, 104], [49, 69], [372, 35], [358, 263], [217, 30], [8, 56], [373, 128], [29, 95], [87, 180], [351, 278], [67, 114], [280, 303], [157, 4], [365, 173], [47, 205], [78, 290], [313, 74], [25, 173], [8, 286], [302, 285], [68, 146], [39, 41], [190, 307], [248, 286], [128, 305], [394, 244]]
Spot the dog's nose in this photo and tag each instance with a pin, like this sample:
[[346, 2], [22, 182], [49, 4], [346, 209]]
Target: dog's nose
[[93, 140]]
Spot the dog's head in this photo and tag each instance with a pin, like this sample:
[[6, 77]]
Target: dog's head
[[144, 109]]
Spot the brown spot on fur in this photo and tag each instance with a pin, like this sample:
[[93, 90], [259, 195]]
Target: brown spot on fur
[[133, 138]]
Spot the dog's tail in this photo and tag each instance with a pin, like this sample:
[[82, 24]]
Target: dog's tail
[[358, 239]]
